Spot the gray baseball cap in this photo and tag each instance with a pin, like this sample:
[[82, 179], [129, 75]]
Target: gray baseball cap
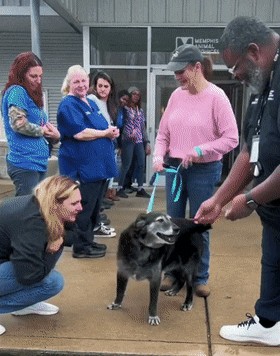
[[184, 55]]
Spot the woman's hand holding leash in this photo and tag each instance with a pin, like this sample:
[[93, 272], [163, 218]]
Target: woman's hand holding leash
[[192, 157], [158, 164]]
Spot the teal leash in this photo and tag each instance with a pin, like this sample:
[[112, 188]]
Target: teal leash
[[152, 198], [175, 181], [173, 189]]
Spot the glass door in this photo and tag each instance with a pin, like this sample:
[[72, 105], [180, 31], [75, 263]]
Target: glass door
[[162, 84]]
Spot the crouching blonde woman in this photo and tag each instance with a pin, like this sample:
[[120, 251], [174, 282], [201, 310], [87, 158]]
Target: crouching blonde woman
[[33, 230]]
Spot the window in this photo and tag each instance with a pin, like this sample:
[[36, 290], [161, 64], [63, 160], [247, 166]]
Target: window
[[125, 78], [118, 46]]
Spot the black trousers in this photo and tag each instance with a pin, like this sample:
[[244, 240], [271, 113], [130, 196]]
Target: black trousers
[[92, 196]]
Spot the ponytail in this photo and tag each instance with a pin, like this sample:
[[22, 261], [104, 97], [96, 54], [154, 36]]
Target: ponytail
[[207, 68]]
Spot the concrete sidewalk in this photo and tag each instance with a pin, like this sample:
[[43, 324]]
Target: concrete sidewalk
[[84, 326]]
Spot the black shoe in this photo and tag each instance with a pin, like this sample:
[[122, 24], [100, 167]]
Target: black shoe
[[120, 193], [108, 201], [105, 205], [89, 252], [130, 189], [99, 247], [142, 193]]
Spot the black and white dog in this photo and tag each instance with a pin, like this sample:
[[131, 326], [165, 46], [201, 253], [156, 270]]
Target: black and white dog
[[153, 244]]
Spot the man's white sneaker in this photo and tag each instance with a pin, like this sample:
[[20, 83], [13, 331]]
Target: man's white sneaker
[[2, 329], [252, 331], [41, 308]]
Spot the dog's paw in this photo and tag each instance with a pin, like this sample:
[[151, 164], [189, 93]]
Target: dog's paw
[[114, 306], [186, 307], [154, 320], [171, 292]]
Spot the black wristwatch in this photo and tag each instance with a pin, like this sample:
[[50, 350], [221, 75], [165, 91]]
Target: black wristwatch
[[250, 201]]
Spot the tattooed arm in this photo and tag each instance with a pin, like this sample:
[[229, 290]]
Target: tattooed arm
[[20, 124]]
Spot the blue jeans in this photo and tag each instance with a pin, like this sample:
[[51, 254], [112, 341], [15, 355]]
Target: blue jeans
[[198, 184], [15, 296], [268, 304], [130, 151], [24, 180]]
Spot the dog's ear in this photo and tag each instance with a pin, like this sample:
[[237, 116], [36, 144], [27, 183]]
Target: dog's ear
[[189, 225], [140, 221]]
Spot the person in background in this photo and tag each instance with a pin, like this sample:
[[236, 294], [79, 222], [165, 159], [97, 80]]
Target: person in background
[[33, 230], [197, 128], [250, 50], [103, 94], [134, 143], [123, 100], [29, 133], [123, 96], [86, 154]]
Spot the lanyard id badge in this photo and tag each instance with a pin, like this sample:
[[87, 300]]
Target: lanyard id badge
[[255, 149], [255, 154]]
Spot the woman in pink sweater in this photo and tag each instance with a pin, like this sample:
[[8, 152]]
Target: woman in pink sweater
[[197, 128]]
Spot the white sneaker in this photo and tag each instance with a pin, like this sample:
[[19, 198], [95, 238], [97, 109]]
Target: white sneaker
[[106, 227], [252, 331], [103, 231], [2, 329], [41, 308], [112, 229]]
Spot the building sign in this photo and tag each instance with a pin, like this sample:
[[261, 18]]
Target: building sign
[[206, 39], [205, 44], [165, 40]]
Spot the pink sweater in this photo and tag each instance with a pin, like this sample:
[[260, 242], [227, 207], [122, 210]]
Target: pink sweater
[[205, 120]]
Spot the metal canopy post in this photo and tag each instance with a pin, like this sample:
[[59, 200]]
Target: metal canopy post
[[35, 27]]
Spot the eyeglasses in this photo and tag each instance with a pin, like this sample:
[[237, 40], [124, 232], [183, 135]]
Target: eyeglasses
[[233, 69]]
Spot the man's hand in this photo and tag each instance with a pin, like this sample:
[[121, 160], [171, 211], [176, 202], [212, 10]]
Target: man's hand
[[208, 212], [238, 208]]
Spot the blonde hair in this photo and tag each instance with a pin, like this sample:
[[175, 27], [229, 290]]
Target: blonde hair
[[51, 193], [71, 71]]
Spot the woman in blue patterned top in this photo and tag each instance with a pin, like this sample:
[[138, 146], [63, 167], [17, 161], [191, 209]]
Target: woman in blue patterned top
[[28, 132], [134, 143]]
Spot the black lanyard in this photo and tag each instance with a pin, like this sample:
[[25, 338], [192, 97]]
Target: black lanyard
[[265, 96], [263, 100]]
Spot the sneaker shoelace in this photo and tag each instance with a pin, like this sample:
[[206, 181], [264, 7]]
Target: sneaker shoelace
[[247, 323], [104, 229]]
